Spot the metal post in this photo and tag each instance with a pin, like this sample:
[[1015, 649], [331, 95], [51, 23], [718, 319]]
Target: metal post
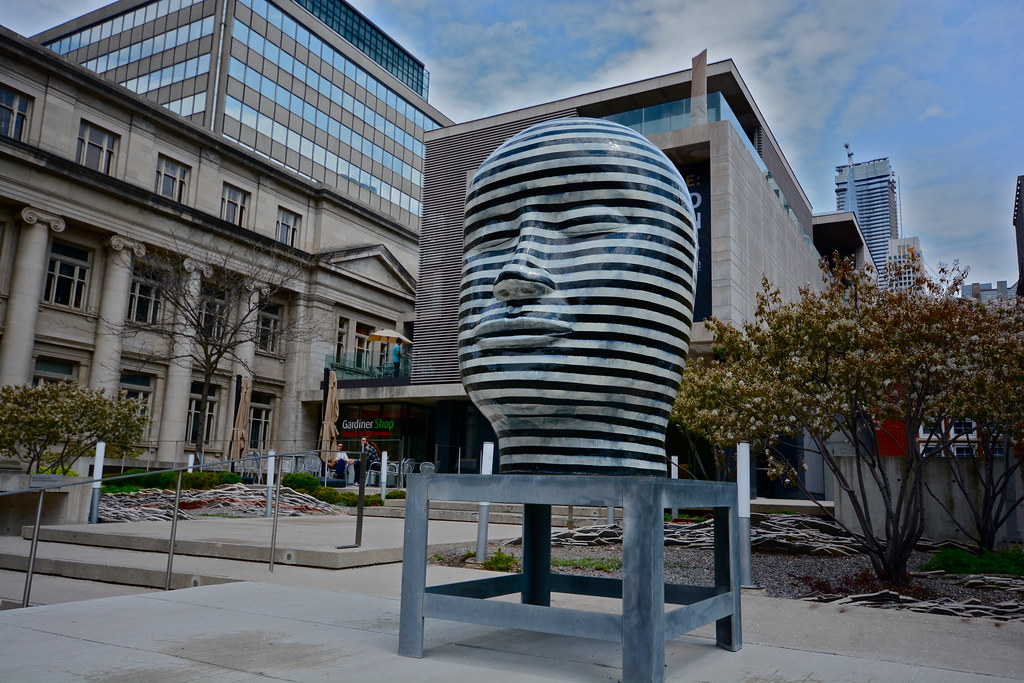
[[32, 551], [383, 475], [536, 554], [174, 533], [610, 520], [277, 510], [270, 482], [743, 511], [361, 500], [674, 474], [643, 585], [97, 481], [484, 516]]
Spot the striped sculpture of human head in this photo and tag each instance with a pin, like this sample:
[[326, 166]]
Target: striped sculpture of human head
[[577, 298]]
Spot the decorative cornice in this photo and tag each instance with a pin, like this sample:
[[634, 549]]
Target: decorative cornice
[[117, 243], [31, 216]]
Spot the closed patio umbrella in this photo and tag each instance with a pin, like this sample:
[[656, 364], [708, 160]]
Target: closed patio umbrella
[[329, 429], [240, 430]]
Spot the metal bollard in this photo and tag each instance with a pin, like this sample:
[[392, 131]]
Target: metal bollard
[[32, 552], [270, 482], [97, 482], [174, 534]]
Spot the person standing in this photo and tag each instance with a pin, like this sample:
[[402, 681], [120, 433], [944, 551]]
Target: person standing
[[372, 457], [396, 357]]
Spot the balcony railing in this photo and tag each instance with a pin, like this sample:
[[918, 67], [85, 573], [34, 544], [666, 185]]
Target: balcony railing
[[362, 366]]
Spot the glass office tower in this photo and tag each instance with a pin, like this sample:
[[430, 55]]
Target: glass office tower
[[311, 85], [868, 189]]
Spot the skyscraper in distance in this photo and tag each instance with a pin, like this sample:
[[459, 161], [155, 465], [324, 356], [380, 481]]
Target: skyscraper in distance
[[868, 188], [1018, 229]]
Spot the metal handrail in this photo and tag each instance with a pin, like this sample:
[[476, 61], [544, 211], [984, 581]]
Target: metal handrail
[[252, 457]]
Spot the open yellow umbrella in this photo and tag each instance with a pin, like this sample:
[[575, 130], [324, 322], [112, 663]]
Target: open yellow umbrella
[[240, 430], [388, 335], [329, 429]]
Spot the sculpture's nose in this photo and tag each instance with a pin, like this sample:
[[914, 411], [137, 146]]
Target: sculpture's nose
[[524, 278], [519, 282]]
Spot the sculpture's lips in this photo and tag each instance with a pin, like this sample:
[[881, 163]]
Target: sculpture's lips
[[522, 331]]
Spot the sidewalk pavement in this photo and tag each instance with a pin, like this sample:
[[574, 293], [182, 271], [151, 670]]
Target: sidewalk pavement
[[307, 624]]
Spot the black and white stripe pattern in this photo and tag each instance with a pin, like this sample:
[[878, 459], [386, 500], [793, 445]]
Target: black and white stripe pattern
[[577, 297]]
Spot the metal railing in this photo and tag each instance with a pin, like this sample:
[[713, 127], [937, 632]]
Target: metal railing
[[273, 482], [367, 366]]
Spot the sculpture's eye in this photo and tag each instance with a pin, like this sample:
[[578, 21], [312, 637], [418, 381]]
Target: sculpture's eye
[[498, 236], [592, 220]]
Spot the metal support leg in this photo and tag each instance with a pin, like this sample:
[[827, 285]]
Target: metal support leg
[[537, 555], [727, 576], [643, 586], [414, 569]]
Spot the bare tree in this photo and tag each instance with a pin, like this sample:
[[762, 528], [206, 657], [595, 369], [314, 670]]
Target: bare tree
[[213, 304]]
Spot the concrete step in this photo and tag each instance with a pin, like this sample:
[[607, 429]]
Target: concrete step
[[223, 550], [92, 570]]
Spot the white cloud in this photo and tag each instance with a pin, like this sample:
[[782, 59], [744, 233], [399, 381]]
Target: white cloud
[[932, 84]]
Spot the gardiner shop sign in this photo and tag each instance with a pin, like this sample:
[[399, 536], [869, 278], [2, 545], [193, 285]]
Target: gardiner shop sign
[[377, 427]]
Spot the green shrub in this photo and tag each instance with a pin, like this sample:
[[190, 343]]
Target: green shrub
[[300, 481], [957, 561], [168, 480], [327, 494], [148, 480], [351, 499], [604, 564], [396, 494], [205, 480], [55, 469], [114, 488], [499, 562]]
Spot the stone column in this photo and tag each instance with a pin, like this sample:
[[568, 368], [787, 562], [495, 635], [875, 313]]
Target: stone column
[[245, 351], [18, 340], [290, 427], [174, 413], [117, 281]]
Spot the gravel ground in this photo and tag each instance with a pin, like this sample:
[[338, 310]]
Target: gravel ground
[[782, 576]]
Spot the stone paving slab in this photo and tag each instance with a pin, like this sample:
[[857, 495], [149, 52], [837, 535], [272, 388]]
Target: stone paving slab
[[243, 631]]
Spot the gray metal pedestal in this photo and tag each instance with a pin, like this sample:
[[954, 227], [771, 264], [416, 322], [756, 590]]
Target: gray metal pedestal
[[644, 624]]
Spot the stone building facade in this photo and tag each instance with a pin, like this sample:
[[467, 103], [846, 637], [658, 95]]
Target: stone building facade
[[93, 178]]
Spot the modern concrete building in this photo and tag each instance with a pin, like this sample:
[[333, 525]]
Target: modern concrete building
[[984, 291], [902, 253], [868, 189], [276, 136], [754, 221]]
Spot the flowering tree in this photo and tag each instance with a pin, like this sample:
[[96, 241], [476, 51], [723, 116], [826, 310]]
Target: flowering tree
[[990, 402], [51, 425], [852, 360]]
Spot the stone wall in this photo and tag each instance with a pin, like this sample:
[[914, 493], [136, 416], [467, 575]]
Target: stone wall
[[938, 525], [64, 505]]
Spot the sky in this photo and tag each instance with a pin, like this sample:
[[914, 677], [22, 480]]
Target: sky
[[934, 85]]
